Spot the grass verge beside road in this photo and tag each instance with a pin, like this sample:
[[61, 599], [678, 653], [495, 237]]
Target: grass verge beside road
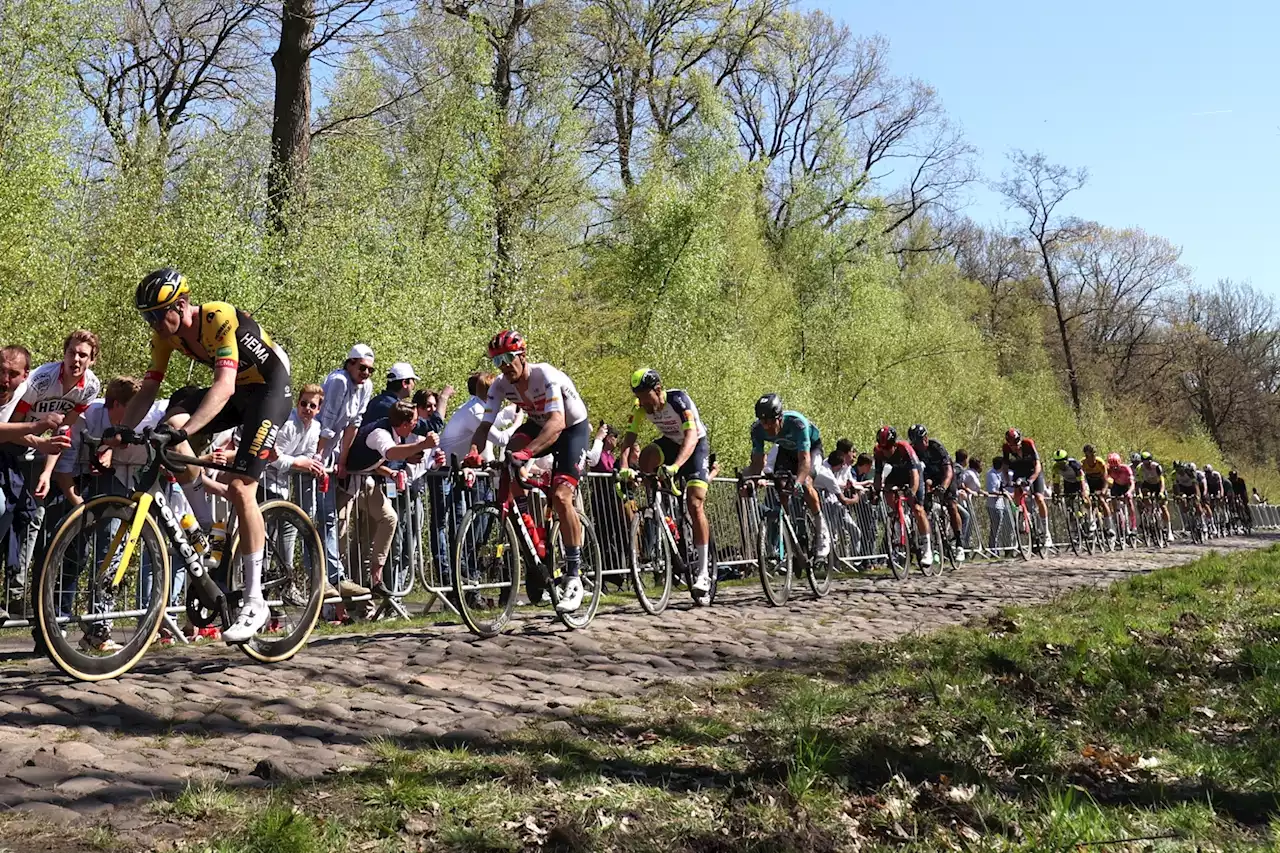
[[1144, 716]]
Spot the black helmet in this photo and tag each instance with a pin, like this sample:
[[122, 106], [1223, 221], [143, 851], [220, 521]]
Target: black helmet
[[769, 407], [160, 289], [918, 432], [645, 379]]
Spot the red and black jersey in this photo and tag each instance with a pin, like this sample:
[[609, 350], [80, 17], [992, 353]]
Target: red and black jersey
[[1022, 460], [900, 455]]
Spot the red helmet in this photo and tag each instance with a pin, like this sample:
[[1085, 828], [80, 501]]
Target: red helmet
[[508, 340], [886, 436], [1013, 436]]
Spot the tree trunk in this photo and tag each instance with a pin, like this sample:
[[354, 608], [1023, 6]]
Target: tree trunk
[[504, 218], [1072, 379], [291, 119]]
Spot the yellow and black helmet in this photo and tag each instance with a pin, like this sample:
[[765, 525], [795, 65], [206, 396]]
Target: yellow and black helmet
[[160, 289]]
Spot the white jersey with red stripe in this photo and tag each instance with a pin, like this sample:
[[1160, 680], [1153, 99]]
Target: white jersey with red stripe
[[44, 393], [549, 391]]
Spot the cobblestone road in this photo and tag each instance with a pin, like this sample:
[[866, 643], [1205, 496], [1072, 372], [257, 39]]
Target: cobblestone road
[[72, 751]]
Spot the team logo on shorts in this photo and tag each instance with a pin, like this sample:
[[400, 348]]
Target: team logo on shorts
[[263, 440]]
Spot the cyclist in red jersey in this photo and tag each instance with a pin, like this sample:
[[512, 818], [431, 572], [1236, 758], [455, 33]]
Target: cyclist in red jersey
[[1023, 459], [905, 471]]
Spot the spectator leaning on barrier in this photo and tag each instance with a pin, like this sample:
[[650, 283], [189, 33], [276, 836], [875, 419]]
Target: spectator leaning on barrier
[[376, 443], [994, 485], [347, 392], [16, 439], [77, 463]]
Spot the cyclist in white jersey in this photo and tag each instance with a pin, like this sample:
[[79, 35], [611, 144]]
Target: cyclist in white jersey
[[557, 423], [65, 388], [682, 447]]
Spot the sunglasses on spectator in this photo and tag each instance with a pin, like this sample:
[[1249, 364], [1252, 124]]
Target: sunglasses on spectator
[[504, 359], [364, 368], [309, 404]]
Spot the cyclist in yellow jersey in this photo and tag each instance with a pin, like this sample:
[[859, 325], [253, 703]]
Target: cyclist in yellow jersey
[[250, 390], [1095, 476]]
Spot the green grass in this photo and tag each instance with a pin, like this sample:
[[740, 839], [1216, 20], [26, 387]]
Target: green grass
[[1142, 717]]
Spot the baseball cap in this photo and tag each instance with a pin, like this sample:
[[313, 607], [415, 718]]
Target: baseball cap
[[360, 351], [401, 370]]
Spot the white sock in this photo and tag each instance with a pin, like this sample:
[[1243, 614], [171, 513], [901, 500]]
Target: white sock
[[198, 498], [252, 564], [701, 551]]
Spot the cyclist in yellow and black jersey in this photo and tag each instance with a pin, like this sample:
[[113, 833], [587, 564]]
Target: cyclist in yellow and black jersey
[[250, 390], [1095, 477]]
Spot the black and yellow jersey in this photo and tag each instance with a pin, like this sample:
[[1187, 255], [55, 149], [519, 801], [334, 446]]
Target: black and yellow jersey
[[1097, 469], [230, 338]]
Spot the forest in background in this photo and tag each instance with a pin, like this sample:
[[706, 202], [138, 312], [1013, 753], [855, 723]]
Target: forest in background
[[740, 193]]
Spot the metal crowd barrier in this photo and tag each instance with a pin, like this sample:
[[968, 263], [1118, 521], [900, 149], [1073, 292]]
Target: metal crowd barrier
[[425, 516]]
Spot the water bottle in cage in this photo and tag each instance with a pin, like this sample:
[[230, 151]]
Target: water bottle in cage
[[197, 537], [535, 535], [671, 525], [217, 541]]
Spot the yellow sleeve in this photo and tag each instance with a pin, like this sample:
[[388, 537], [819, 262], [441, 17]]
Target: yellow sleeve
[[161, 349], [637, 418], [218, 326]]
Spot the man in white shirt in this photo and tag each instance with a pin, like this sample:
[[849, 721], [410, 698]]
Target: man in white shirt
[[347, 392], [996, 516]]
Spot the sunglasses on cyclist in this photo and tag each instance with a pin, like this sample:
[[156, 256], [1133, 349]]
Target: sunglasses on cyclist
[[505, 358], [155, 316]]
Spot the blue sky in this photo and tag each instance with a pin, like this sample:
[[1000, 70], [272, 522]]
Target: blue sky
[[1173, 107]]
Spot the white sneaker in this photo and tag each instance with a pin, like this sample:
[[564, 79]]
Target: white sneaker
[[250, 620], [702, 582], [926, 559], [959, 554], [571, 596], [824, 542]]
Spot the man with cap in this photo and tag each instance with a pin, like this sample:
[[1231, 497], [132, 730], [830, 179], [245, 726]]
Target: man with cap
[[401, 381], [347, 392]]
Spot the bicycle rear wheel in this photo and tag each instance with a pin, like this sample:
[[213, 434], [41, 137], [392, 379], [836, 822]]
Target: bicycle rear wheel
[[592, 573], [651, 560], [774, 554], [76, 597], [1073, 529], [487, 580], [293, 578]]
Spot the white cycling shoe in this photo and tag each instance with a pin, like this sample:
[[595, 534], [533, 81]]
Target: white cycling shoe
[[570, 596], [926, 559], [824, 543], [250, 620], [702, 582]]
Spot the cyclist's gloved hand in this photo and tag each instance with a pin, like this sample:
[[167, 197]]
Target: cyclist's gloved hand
[[522, 457], [172, 433], [472, 460], [671, 470], [626, 475]]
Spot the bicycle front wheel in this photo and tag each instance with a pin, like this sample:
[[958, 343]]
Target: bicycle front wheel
[[651, 561], [94, 628], [773, 551], [591, 570], [487, 580], [897, 549]]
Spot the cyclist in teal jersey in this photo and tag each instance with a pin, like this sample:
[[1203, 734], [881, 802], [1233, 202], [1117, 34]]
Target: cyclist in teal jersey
[[799, 452]]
